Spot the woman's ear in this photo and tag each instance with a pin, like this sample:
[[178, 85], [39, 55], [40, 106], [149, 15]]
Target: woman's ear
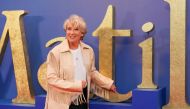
[[82, 36]]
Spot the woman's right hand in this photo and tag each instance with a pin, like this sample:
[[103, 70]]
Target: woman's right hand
[[84, 84]]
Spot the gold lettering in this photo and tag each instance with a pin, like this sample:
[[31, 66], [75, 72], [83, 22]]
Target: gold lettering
[[105, 32], [14, 26], [42, 76], [177, 55], [147, 56], [53, 41], [147, 81]]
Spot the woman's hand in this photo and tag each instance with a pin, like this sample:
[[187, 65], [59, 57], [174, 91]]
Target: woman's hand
[[113, 88], [84, 83]]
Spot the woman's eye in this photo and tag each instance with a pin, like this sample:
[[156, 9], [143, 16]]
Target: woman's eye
[[68, 28]]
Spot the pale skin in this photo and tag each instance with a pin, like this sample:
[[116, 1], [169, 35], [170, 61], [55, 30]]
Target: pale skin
[[74, 35]]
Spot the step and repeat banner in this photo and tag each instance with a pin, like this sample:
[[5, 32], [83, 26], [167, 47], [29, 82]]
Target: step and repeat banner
[[142, 44]]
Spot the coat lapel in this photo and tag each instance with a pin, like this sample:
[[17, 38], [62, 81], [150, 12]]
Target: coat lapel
[[66, 57]]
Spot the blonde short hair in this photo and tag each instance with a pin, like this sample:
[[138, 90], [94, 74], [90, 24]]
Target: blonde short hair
[[76, 21]]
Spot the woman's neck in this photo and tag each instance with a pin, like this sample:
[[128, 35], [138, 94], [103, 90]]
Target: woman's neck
[[73, 45]]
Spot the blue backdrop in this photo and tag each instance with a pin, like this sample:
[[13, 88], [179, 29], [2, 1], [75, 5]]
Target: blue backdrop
[[44, 22]]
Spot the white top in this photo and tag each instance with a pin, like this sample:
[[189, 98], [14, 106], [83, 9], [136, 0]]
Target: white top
[[79, 68]]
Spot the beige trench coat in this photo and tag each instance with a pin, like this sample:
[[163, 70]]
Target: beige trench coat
[[61, 87]]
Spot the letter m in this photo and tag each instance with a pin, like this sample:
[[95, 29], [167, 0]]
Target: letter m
[[14, 30]]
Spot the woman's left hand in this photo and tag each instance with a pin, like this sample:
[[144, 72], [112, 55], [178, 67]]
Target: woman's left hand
[[113, 88]]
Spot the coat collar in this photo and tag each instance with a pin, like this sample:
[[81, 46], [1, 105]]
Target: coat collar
[[65, 46]]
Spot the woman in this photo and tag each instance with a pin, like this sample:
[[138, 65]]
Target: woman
[[71, 70]]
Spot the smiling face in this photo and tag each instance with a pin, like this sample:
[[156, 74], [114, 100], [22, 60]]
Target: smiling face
[[73, 34], [75, 28]]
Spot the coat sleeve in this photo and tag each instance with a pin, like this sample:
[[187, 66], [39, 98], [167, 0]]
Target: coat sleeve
[[57, 83], [98, 78]]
